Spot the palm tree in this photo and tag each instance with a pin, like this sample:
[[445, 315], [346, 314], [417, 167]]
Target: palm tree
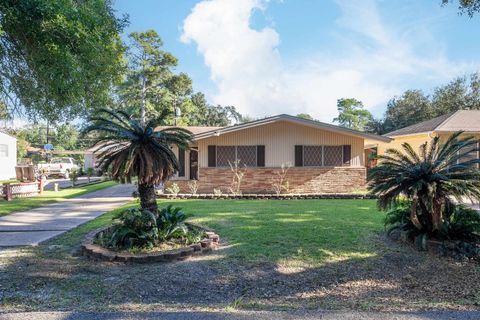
[[131, 149], [439, 173]]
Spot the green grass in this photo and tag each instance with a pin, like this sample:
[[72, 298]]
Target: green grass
[[288, 232], [21, 204]]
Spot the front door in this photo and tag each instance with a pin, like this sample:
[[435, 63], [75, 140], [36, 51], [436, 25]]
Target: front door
[[193, 164]]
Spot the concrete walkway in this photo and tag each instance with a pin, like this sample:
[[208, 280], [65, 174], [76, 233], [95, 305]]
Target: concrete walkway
[[29, 228]]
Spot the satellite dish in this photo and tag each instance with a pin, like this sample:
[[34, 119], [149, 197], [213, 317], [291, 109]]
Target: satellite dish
[[48, 147]]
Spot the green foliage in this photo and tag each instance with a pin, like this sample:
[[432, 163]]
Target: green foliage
[[414, 106], [429, 179], [352, 115], [469, 7], [171, 222], [130, 149], [65, 136], [74, 176], [137, 228], [58, 58], [305, 116], [132, 228], [209, 115], [462, 223]]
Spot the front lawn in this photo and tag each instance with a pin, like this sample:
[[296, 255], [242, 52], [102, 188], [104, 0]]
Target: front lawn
[[21, 204], [306, 232], [274, 254]]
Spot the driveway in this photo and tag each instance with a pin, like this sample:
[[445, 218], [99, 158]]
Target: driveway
[[250, 315], [29, 228], [66, 183]]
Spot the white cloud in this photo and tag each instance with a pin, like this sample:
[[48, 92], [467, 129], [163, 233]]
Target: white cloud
[[374, 62]]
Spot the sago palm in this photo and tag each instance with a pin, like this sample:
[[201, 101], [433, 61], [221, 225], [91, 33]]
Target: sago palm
[[431, 178], [130, 149]]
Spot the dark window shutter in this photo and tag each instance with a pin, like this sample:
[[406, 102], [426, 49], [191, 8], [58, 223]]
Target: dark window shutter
[[298, 156], [260, 156], [347, 155], [212, 156], [181, 160]]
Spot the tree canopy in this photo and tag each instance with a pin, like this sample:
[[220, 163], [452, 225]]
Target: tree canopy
[[58, 58], [415, 106], [352, 114], [469, 7]]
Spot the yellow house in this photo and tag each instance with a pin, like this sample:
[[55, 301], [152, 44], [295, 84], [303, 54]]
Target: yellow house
[[443, 126]]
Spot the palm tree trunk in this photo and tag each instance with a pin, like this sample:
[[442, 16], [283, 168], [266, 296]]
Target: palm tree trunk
[[413, 214], [148, 197]]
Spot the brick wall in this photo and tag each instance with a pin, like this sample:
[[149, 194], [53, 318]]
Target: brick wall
[[301, 180]]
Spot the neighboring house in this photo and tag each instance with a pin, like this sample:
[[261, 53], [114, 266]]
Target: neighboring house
[[325, 158], [443, 126], [8, 156]]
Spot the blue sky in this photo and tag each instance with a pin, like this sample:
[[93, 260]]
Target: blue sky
[[291, 56]]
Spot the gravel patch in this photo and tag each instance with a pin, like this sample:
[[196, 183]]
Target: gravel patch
[[397, 278]]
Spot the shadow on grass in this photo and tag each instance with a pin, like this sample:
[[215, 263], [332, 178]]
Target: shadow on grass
[[250, 272]]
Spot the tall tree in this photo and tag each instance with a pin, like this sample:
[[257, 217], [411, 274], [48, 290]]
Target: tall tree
[[305, 116], [58, 58], [352, 114], [131, 149], [411, 107], [208, 115], [151, 87]]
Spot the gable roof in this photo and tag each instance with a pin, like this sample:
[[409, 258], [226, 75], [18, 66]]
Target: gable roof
[[291, 119], [461, 120]]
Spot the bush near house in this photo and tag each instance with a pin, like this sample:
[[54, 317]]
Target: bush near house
[[420, 190]]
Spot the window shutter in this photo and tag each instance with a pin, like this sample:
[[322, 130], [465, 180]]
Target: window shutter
[[212, 156], [260, 156], [347, 155], [298, 156], [181, 160]]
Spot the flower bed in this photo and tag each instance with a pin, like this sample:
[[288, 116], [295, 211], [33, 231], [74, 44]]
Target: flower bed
[[265, 196], [92, 250]]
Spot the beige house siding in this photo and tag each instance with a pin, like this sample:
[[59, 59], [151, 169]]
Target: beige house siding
[[280, 139]]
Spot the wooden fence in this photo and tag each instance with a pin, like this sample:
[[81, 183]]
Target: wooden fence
[[9, 191]]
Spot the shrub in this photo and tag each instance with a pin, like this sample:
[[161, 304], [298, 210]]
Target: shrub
[[429, 179], [73, 176], [279, 181], [133, 228], [237, 178], [217, 192], [462, 223], [193, 186], [174, 189], [171, 222]]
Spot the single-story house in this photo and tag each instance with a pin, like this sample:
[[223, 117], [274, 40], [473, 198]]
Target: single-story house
[[8, 156], [443, 126], [325, 158]]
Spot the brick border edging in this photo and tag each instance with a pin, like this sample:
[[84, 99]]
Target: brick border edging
[[91, 250], [267, 196]]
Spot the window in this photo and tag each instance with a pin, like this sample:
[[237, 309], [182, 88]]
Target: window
[[247, 156], [333, 156], [250, 156], [469, 156], [3, 151], [181, 160], [312, 156], [322, 156], [225, 155]]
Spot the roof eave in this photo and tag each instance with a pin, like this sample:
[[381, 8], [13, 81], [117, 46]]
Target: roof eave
[[306, 122]]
